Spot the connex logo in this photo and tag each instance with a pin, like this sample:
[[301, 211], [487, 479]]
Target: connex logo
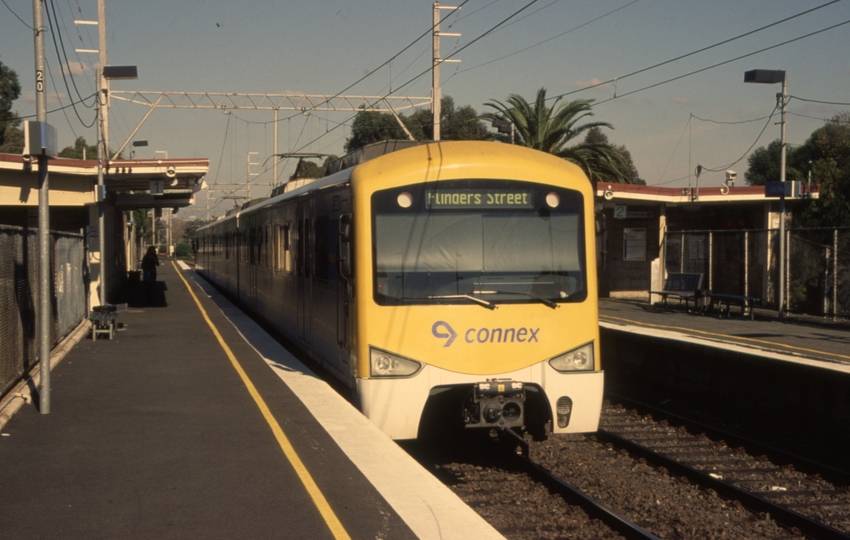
[[438, 334], [442, 330]]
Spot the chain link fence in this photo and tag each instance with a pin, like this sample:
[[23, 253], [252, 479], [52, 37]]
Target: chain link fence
[[745, 263], [19, 293]]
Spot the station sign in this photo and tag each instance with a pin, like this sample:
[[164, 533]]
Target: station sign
[[621, 211], [776, 189]]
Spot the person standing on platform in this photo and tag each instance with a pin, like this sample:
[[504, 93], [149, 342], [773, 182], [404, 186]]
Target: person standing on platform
[[149, 263]]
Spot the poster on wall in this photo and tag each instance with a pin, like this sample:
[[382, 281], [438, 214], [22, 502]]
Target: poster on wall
[[634, 244]]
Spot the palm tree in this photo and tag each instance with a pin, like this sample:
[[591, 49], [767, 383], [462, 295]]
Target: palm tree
[[551, 128]]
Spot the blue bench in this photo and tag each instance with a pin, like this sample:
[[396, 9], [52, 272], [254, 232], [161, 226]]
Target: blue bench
[[686, 288]]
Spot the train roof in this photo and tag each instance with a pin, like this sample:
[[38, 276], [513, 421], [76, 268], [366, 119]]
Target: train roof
[[366, 155]]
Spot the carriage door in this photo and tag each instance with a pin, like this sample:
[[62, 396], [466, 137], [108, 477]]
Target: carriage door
[[303, 269], [343, 285], [253, 247]]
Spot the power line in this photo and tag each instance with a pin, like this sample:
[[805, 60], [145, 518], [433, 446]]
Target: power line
[[546, 40], [63, 107], [55, 22], [729, 123], [818, 101], [65, 80], [491, 30], [16, 15], [727, 61], [720, 169], [724, 42], [825, 120]]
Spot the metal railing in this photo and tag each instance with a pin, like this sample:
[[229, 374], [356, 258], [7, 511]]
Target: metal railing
[[745, 263], [19, 290]]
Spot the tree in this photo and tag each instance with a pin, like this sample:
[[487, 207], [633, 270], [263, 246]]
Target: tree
[[826, 154], [595, 136], [552, 128], [764, 165], [79, 150], [371, 127], [10, 90], [456, 124]]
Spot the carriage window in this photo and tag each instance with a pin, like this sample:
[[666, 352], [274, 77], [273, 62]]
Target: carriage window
[[283, 252], [495, 240], [322, 252]]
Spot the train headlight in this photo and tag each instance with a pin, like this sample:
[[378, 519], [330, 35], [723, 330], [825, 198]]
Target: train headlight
[[580, 359], [385, 364]]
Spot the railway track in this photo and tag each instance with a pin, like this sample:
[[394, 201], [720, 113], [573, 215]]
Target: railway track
[[594, 508], [804, 503], [606, 486]]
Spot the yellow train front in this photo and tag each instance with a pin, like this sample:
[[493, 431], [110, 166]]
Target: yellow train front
[[473, 290], [447, 284]]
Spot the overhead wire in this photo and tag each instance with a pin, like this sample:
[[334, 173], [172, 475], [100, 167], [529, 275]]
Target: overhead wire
[[53, 33], [12, 11], [573, 29], [56, 90], [57, 37], [372, 72], [818, 101], [763, 129], [703, 49], [486, 33], [725, 62]]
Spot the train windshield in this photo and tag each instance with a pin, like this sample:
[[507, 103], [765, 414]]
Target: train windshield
[[478, 241]]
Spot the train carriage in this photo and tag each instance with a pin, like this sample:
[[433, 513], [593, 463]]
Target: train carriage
[[453, 281]]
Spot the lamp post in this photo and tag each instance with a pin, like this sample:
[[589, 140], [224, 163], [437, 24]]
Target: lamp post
[[105, 74], [767, 76]]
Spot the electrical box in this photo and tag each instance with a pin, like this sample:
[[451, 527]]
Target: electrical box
[[39, 139]]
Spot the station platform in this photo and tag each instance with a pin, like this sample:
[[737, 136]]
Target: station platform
[[194, 423], [796, 338]]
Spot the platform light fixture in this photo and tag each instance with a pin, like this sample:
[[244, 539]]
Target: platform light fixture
[[768, 76], [107, 73]]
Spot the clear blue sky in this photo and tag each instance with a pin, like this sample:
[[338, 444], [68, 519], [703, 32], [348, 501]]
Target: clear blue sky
[[323, 46]]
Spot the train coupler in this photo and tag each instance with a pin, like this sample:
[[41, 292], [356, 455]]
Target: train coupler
[[495, 404]]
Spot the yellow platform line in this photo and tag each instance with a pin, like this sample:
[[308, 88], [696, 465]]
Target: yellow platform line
[[319, 500], [759, 341]]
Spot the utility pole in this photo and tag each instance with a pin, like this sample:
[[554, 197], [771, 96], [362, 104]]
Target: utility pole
[[249, 174], [782, 97], [44, 314], [436, 94]]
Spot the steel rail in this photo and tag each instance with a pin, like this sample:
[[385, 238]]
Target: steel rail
[[572, 494], [789, 518]]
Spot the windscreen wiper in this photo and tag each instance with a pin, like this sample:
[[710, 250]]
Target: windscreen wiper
[[480, 301], [545, 301]]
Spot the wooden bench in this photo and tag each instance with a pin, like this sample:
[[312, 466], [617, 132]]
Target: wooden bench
[[686, 287], [103, 321], [746, 302]]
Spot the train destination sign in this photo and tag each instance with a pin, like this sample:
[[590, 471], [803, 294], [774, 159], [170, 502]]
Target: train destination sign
[[478, 198]]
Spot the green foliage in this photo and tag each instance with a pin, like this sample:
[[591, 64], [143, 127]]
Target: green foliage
[[456, 124], [76, 151], [184, 249], [554, 129], [10, 90], [595, 136], [13, 140], [143, 225], [826, 153], [370, 127], [764, 165]]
